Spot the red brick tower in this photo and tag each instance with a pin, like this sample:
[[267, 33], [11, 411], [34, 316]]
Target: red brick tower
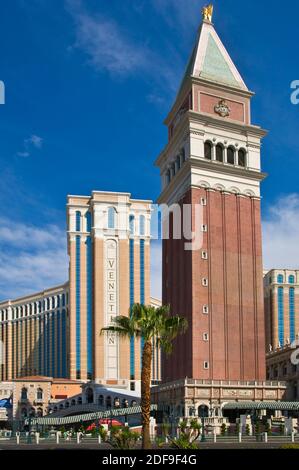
[[212, 159]]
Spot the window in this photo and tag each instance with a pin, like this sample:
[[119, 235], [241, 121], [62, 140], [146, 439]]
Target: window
[[101, 400], [39, 394], [204, 255], [292, 314], [203, 201], [24, 394], [231, 155], [132, 224], [178, 162], [205, 337], [280, 279], [204, 228], [291, 279], [205, 282], [168, 178], [281, 315], [242, 158], [206, 365], [78, 221], [88, 221], [111, 217], [208, 150], [219, 153], [142, 225], [205, 309]]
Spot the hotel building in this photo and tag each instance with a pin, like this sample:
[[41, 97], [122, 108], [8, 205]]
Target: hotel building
[[57, 333], [281, 299]]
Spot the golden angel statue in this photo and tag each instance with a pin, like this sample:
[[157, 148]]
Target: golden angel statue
[[207, 13]]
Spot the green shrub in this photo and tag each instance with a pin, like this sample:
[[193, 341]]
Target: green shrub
[[123, 438], [223, 429]]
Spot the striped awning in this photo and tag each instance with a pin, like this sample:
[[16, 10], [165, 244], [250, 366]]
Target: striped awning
[[48, 421], [263, 405]]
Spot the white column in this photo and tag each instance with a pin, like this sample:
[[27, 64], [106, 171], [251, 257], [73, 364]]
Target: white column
[[214, 152], [225, 155]]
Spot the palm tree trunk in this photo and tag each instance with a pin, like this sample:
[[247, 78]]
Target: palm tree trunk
[[146, 393]]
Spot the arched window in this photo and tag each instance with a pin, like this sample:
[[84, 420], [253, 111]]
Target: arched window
[[89, 395], [111, 217], [101, 400], [132, 224], [208, 150], [58, 300], [39, 394], [79, 401], [292, 279], [73, 402], [168, 177], [142, 225], [78, 221], [108, 402], [24, 393], [231, 155], [88, 221], [280, 279], [219, 153], [67, 404], [242, 158]]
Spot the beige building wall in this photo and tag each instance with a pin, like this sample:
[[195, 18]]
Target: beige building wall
[[104, 219], [30, 346], [281, 311]]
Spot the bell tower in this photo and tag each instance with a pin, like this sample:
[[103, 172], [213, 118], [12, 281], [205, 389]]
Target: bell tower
[[212, 159]]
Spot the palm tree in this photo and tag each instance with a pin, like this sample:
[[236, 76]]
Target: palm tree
[[149, 323]]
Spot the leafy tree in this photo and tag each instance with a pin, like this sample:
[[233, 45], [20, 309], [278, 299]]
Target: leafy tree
[[123, 438], [103, 433], [149, 323], [223, 429], [189, 432], [257, 428]]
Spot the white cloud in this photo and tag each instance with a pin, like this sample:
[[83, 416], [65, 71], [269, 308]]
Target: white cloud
[[281, 234], [35, 141], [32, 142], [109, 48], [31, 258]]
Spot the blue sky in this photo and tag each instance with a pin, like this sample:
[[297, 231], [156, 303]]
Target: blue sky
[[88, 84]]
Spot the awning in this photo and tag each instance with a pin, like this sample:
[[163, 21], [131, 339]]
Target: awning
[[47, 420], [263, 405]]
